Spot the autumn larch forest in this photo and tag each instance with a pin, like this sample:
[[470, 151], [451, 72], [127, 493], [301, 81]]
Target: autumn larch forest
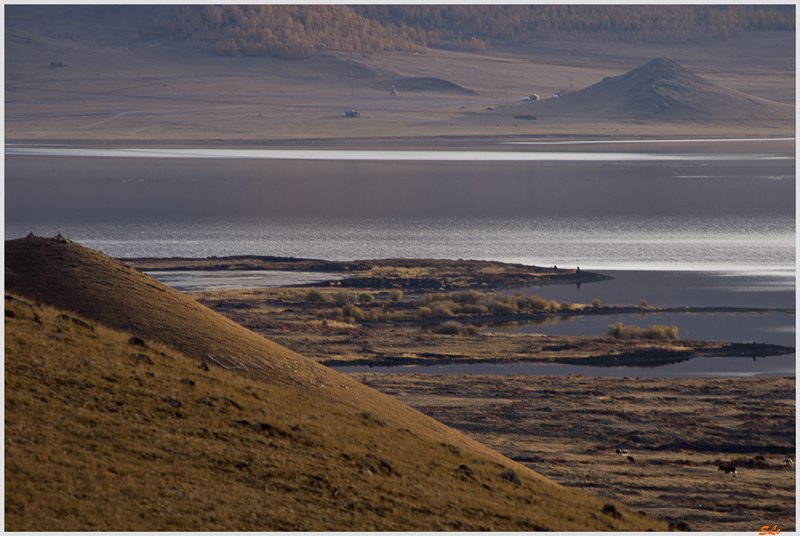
[[298, 31]]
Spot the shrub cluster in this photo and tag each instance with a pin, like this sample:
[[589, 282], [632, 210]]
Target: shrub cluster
[[451, 327], [658, 332], [317, 296], [348, 313], [343, 296], [661, 333], [395, 295], [351, 313], [472, 302]]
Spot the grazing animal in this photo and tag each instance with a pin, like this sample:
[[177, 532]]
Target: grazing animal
[[788, 462], [762, 458], [630, 459], [622, 452], [727, 469]]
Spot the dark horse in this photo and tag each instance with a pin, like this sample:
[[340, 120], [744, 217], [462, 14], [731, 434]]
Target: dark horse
[[727, 469]]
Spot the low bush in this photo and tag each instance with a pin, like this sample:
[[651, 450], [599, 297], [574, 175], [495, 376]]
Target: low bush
[[470, 330], [537, 303], [504, 308], [597, 303], [469, 309], [366, 297], [432, 297], [395, 295], [567, 306], [451, 327], [643, 303], [618, 331], [317, 296], [351, 311], [342, 296], [465, 296], [444, 308], [376, 316], [290, 296], [661, 333]]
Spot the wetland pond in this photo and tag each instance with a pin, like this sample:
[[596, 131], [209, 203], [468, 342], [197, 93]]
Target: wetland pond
[[687, 222]]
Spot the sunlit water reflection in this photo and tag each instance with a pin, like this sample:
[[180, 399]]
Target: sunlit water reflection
[[672, 208]]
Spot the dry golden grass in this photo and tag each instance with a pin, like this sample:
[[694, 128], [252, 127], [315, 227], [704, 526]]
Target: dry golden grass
[[104, 434]]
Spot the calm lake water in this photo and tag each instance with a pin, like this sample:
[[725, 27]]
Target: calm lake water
[[206, 281], [775, 290], [655, 211]]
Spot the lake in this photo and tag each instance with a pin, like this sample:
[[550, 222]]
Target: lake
[[652, 210], [775, 290], [643, 209], [210, 280]]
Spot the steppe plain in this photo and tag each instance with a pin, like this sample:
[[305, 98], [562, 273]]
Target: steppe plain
[[165, 90], [113, 92]]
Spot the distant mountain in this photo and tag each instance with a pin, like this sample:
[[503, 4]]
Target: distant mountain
[[660, 88]]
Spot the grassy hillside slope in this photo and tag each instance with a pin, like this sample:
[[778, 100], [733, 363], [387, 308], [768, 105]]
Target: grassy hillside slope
[[66, 275], [103, 432]]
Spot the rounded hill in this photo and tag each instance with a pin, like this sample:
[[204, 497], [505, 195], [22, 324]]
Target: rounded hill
[[63, 274], [659, 89]]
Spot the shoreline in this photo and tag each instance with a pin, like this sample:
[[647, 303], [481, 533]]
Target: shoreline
[[500, 143], [635, 357], [337, 343]]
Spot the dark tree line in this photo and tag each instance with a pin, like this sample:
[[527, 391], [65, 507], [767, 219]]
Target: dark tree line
[[298, 31]]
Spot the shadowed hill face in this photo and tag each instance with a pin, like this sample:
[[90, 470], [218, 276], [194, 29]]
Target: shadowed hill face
[[660, 88]]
